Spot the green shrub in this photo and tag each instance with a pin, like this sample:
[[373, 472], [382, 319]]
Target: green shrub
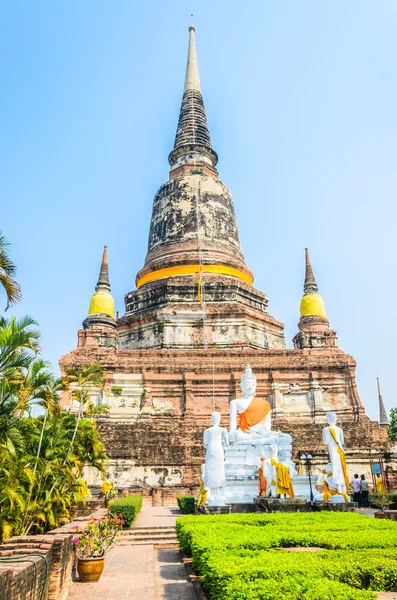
[[239, 557], [186, 504], [382, 501], [128, 508], [293, 588]]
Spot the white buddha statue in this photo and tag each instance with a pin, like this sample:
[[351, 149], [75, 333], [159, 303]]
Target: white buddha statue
[[255, 416], [216, 438], [334, 439]]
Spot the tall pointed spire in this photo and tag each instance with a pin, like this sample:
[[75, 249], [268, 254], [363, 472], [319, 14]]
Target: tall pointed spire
[[310, 285], [103, 284], [383, 418], [102, 301], [192, 77], [192, 135]]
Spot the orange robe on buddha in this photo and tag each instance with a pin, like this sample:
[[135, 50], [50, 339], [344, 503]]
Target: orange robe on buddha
[[256, 411]]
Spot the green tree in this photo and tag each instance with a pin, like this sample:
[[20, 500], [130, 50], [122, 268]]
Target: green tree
[[41, 458], [19, 345], [83, 380], [7, 272], [392, 429]]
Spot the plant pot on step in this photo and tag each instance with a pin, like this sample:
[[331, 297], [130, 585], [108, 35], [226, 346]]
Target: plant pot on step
[[90, 569], [380, 515]]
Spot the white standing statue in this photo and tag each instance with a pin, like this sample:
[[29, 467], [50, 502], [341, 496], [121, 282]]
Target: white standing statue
[[216, 438], [255, 416], [334, 439]]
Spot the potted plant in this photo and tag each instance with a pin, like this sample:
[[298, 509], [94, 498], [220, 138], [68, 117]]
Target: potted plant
[[93, 543], [382, 501]]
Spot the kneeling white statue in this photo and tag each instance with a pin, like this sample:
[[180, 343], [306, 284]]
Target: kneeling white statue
[[255, 416], [331, 493], [277, 474], [216, 438]]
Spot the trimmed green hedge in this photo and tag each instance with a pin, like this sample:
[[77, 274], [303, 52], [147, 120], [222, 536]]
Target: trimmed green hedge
[[128, 508], [186, 504], [240, 557]]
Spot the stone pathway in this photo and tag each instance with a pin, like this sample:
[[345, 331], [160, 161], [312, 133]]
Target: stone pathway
[[141, 572]]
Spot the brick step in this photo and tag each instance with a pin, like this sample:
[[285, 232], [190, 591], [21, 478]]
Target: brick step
[[170, 528], [158, 544], [152, 538], [147, 532]]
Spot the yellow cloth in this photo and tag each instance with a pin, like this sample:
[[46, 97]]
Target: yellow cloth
[[192, 270], [106, 487], [101, 303], [300, 469], [257, 410], [342, 457], [284, 481], [379, 485], [202, 497], [312, 305], [328, 492], [200, 277]]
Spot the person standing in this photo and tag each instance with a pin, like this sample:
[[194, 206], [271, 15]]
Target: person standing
[[355, 483], [364, 491]]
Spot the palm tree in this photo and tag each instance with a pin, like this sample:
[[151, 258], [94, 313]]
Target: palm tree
[[7, 272], [19, 344], [46, 395], [82, 380], [33, 385]]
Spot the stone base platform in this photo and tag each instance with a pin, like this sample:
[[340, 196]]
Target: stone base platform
[[271, 505], [204, 509], [339, 507]]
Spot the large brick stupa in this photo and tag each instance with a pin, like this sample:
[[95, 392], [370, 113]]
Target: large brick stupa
[[191, 325]]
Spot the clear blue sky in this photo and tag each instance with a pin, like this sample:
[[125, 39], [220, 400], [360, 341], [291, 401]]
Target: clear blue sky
[[302, 108]]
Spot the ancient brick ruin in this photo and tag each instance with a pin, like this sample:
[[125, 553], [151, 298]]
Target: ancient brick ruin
[[191, 325]]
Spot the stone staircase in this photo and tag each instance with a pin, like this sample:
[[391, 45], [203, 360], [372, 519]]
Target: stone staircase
[[163, 537]]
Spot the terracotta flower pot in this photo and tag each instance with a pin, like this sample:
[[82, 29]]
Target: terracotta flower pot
[[90, 569], [380, 515]]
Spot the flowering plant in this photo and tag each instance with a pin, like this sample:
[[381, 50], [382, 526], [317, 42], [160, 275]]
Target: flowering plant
[[97, 538]]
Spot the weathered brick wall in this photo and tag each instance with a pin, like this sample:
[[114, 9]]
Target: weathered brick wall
[[21, 581], [17, 579]]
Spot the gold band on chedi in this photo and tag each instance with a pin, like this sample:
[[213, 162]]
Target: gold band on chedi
[[192, 270]]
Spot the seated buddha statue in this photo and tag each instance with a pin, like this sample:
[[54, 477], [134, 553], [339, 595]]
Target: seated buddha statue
[[255, 416]]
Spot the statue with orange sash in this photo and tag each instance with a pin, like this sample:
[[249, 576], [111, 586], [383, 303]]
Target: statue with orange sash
[[334, 439], [255, 417], [262, 479]]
